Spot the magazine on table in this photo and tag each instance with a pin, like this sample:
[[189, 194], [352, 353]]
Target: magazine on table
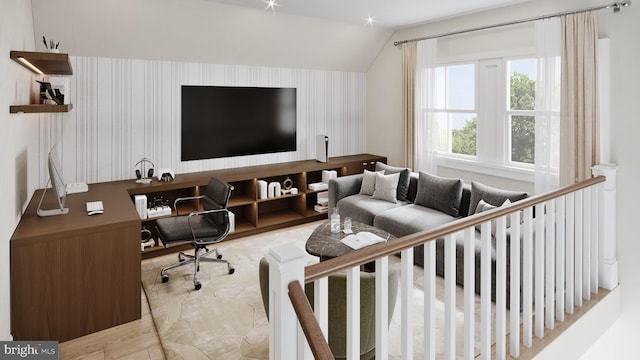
[[362, 239]]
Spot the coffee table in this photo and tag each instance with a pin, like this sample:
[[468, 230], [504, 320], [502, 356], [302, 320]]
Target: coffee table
[[326, 245]]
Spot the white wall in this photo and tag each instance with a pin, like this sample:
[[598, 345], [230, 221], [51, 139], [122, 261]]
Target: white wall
[[126, 109], [384, 136], [18, 136]]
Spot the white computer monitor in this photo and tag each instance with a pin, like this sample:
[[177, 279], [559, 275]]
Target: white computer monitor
[[57, 183]]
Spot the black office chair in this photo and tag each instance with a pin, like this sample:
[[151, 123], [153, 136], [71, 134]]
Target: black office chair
[[200, 228]]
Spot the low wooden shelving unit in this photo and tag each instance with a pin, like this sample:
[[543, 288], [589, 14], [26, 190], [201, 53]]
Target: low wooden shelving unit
[[252, 214], [48, 63]]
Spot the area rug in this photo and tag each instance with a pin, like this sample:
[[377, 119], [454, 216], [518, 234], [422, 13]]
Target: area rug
[[226, 318]]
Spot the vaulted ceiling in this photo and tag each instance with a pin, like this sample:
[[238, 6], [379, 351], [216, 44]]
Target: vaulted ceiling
[[384, 13]]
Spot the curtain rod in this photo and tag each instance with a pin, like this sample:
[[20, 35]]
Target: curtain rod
[[615, 6]]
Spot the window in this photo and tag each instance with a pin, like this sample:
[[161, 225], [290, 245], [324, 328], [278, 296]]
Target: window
[[455, 113], [520, 110], [485, 112]]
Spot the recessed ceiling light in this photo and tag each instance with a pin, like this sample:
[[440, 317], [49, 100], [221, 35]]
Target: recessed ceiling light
[[271, 4], [370, 20]]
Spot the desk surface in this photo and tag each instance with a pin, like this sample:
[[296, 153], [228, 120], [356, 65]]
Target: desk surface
[[118, 209]]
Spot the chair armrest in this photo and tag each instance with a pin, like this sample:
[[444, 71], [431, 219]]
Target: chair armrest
[[342, 187], [206, 212], [175, 203]]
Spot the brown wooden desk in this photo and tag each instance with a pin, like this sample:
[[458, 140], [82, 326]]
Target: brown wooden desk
[[75, 274]]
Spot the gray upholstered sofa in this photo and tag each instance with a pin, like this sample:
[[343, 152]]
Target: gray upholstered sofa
[[423, 202]]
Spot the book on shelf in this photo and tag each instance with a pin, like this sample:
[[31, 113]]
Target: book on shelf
[[362, 239], [318, 186], [323, 198], [321, 208]]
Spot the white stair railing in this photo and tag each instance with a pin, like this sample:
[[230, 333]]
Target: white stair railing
[[562, 258]]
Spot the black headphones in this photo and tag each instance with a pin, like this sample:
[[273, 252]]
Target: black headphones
[[141, 167]]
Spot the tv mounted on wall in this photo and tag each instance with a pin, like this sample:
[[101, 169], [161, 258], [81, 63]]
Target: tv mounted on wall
[[225, 121]]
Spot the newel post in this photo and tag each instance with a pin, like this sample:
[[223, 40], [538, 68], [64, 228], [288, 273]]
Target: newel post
[[608, 246], [286, 264]]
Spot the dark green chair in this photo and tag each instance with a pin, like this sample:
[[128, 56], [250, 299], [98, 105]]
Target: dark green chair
[[338, 308]]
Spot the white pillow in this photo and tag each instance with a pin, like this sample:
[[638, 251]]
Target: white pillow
[[484, 206], [386, 187], [368, 182]]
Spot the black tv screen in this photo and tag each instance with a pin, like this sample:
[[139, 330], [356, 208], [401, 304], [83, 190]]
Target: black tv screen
[[224, 121]]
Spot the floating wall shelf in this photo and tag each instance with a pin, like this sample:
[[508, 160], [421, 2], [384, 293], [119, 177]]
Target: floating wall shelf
[[48, 62], [39, 108]]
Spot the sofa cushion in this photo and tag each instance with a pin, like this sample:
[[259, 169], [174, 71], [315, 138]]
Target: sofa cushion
[[386, 187], [368, 183], [493, 196], [364, 208], [439, 193], [403, 182], [409, 219]]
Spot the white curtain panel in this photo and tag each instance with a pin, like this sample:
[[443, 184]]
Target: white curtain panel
[[408, 103], [426, 55], [548, 43]]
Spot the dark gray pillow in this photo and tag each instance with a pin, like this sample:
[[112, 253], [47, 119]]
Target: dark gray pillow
[[403, 183], [493, 196], [439, 193]]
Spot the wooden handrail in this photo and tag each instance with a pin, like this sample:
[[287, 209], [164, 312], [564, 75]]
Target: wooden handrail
[[371, 253], [310, 327]]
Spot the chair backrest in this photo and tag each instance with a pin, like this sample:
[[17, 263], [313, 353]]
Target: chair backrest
[[338, 309], [217, 195]]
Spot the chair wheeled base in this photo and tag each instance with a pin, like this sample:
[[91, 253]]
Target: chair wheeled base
[[186, 259]]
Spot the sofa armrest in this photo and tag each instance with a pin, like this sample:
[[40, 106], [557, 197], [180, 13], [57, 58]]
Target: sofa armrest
[[342, 187]]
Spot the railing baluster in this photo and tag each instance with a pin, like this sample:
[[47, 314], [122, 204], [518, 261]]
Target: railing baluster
[[321, 304], [353, 313], [469, 292], [501, 287], [570, 253], [560, 258], [586, 245], [550, 248], [578, 250], [485, 291], [595, 237], [382, 308], [407, 303], [450, 296], [539, 270], [514, 272], [430, 300], [527, 278]]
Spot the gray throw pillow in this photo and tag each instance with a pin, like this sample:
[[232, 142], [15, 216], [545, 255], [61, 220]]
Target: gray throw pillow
[[493, 196], [386, 187], [403, 182], [368, 183], [439, 193]]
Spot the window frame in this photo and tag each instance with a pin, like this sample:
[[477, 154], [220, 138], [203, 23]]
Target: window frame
[[494, 155]]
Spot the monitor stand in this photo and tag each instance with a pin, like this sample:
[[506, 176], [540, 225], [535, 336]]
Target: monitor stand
[[50, 212]]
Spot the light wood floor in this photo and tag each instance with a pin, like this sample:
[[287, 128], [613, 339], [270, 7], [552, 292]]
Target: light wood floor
[[135, 340]]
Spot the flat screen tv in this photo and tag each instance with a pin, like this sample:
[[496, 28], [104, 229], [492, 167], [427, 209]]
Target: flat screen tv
[[57, 184], [225, 121]]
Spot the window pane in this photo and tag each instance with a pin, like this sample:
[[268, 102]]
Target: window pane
[[461, 87], [523, 139], [463, 133], [522, 84]]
